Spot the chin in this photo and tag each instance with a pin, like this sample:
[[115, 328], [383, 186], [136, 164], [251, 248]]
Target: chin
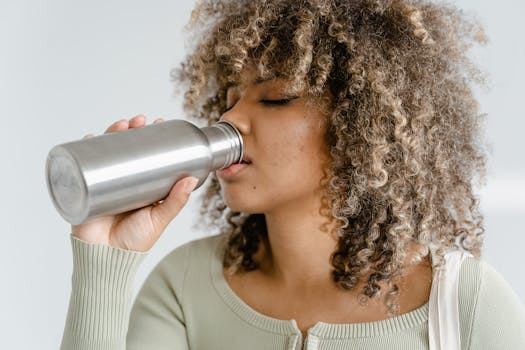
[[239, 205], [242, 202]]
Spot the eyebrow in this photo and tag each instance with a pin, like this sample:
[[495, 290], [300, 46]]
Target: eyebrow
[[258, 80], [262, 80]]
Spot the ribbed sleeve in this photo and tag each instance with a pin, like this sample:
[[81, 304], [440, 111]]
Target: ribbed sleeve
[[101, 293]]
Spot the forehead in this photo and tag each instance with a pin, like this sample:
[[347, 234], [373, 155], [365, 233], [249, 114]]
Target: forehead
[[250, 78]]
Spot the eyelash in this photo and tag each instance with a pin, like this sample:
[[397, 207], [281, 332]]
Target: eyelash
[[278, 102], [281, 102]]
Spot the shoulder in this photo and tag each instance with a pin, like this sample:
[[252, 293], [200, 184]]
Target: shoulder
[[492, 316], [191, 252], [479, 281], [159, 308], [172, 269], [196, 249]]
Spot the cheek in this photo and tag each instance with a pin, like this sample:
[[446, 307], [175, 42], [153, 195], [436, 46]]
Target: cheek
[[284, 151], [296, 152], [292, 144], [297, 137]]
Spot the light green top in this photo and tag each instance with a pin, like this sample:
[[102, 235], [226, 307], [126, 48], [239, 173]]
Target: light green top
[[186, 303]]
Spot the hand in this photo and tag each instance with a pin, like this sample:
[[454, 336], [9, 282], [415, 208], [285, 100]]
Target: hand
[[138, 229]]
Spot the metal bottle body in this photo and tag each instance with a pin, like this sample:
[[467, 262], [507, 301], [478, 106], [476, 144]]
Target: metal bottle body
[[117, 172]]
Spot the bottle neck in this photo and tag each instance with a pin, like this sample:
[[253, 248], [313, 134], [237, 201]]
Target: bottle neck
[[225, 143]]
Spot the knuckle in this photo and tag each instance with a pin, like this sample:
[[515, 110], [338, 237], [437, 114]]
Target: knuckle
[[179, 202]]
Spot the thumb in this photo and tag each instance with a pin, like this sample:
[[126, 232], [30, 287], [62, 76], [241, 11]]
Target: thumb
[[163, 213]]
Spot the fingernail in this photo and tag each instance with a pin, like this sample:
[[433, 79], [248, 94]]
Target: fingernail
[[190, 185]]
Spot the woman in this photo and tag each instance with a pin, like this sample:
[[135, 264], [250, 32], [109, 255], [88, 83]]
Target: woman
[[363, 138]]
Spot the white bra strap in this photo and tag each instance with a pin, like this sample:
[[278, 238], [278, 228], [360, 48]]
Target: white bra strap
[[443, 313]]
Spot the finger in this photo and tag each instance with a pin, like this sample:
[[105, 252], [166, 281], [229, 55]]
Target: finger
[[137, 121], [158, 120], [163, 213], [88, 136], [117, 126]]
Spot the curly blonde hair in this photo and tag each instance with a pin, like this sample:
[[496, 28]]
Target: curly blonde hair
[[404, 131]]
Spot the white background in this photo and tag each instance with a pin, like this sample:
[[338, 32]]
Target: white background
[[71, 68]]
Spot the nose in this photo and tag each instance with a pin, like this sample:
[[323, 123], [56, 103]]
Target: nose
[[238, 116]]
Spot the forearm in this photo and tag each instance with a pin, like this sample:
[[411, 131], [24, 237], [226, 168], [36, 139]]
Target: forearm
[[101, 296]]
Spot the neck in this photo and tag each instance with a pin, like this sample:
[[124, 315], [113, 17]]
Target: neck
[[299, 250]]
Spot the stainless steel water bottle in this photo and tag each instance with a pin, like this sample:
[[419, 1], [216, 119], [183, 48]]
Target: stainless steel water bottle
[[116, 172]]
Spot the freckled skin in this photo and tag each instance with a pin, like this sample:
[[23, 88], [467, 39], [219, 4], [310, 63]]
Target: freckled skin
[[286, 146]]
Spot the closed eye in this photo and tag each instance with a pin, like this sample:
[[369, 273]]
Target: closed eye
[[278, 102]]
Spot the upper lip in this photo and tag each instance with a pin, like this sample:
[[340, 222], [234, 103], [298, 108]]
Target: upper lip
[[246, 158]]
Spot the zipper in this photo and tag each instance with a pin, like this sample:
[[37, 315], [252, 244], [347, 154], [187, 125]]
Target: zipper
[[305, 342], [299, 345]]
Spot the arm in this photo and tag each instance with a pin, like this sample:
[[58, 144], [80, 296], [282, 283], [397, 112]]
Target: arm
[[157, 319], [499, 315], [101, 294], [99, 308]]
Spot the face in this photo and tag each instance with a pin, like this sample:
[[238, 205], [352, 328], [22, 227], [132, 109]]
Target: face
[[284, 139]]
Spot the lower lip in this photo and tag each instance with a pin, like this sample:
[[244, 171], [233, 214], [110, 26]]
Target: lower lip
[[232, 170]]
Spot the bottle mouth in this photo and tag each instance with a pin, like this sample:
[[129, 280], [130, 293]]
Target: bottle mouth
[[236, 143]]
